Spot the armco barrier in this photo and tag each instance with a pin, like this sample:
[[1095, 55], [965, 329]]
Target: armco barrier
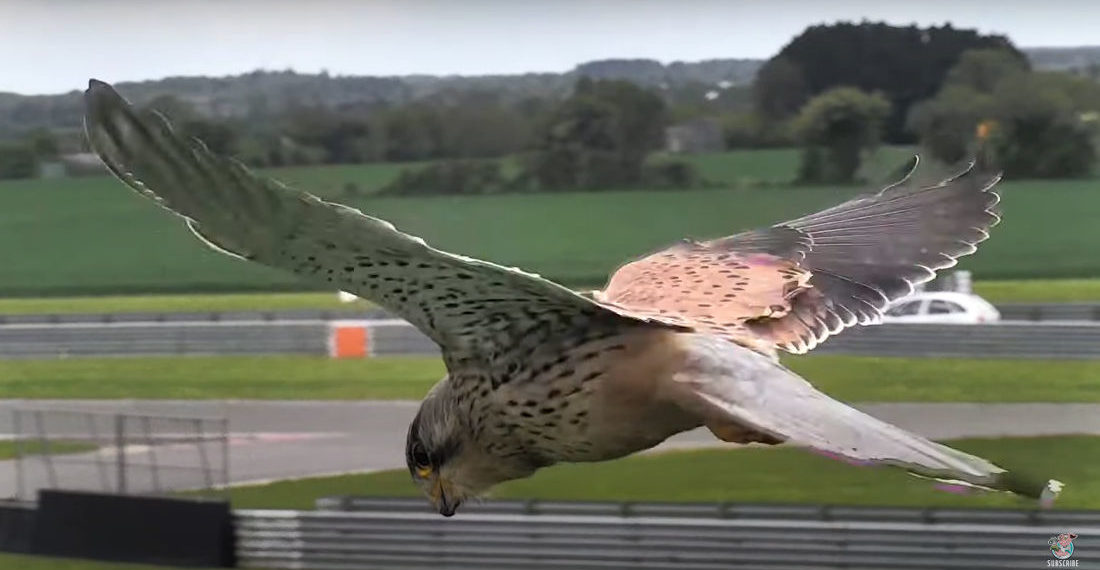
[[396, 534], [392, 337], [1005, 339], [162, 338], [1050, 311], [403, 534]]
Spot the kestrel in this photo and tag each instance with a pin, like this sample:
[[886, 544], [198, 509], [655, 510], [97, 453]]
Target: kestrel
[[539, 374]]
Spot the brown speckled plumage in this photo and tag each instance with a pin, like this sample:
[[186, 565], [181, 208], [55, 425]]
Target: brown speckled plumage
[[539, 374]]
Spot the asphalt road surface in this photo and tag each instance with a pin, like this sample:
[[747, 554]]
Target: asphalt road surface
[[277, 440]]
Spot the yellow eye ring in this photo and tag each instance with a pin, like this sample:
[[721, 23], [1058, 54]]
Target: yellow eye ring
[[423, 472]]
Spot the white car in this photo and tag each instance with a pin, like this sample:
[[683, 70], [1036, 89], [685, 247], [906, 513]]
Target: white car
[[941, 307]]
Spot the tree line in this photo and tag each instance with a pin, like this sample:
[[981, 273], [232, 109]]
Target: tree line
[[837, 91], [840, 90]]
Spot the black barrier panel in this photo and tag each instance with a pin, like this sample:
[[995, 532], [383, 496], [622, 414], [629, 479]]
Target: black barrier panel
[[16, 523], [128, 528]]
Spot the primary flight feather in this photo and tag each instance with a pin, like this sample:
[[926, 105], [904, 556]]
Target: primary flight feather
[[538, 374]]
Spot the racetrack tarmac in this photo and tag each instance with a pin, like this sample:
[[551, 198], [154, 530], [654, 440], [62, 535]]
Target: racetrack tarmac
[[288, 439]]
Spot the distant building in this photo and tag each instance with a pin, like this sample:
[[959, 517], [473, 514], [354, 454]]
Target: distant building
[[82, 164], [698, 135], [51, 169]]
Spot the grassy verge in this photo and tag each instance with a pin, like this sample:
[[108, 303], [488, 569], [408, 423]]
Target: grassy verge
[[8, 448], [263, 377], [178, 303], [756, 474], [1024, 291], [293, 377], [1039, 291], [20, 562], [857, 378], [748, 167]]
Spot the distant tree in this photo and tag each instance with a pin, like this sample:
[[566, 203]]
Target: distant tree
[[638, 71], [219, 137], [982, 69], [641, 116], [1037, 131], [413, 132], [671, 174], [598, 138], [750, 130], [449, 177], [341, 137], [576, 140], [464, 124], [483, 128], [258, 150], [172, 107], [780, 89], [906, 64], [946, 123], [43, 144], [17, 161], [835, 128], [1083, 93], [1036, 117]]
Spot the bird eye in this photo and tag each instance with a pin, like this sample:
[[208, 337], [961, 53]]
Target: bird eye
[[420, 457]]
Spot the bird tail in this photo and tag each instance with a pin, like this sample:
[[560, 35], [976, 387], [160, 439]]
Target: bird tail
[[747, 388]]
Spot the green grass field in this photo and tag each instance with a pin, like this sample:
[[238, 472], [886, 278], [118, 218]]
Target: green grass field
[[214, 302], [8, 449], [293, 377], [756, 167], [755, 474], [1039, 290], [20, 562], [331, 180], [92, 236]]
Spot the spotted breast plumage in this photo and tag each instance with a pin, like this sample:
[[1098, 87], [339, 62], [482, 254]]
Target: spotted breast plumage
[[539, 374]]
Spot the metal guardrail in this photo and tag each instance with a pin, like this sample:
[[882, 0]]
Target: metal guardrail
[[1007, 339], [165, 338], [1050, 311], [792, 511], [1064, 340], [390, 534], [1009, 312], [1004, 339]]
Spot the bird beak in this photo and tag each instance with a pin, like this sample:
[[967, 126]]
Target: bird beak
[[445, 497]]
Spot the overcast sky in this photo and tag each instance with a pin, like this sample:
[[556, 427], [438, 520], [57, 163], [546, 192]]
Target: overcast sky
[[50, 46]]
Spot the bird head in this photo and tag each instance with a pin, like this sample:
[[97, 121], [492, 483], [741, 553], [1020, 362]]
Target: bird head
[[445, 461]]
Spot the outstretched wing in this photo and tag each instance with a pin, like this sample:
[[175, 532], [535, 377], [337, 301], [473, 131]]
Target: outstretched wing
[[751, 391], [457, 301], [792, 285]]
